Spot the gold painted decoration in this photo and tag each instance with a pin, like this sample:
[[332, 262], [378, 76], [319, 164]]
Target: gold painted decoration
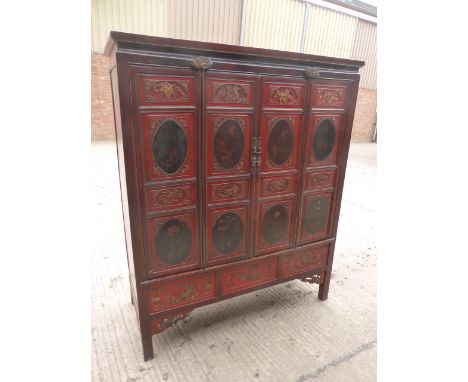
[[284, 95], [230, 93], [166, 91], [331, 97], [277, 185]]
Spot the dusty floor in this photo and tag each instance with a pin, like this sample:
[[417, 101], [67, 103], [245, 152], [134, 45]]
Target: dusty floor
[[283, 333]]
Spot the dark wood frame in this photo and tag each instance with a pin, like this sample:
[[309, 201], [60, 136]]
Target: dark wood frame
[[130, 54]]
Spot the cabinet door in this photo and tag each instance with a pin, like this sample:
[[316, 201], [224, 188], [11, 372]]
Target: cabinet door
[[281, 128], [167, 110], [325, 135], [228, 122]]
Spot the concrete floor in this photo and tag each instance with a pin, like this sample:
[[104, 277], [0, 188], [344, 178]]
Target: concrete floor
[[283, 333]]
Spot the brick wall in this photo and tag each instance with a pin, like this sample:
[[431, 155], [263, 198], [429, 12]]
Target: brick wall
[[365, 116], [102, 117]]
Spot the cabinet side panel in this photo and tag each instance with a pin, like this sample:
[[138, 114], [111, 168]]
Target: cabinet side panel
[[122, 181]]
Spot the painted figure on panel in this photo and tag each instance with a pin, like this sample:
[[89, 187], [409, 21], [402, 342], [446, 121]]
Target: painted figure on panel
[[227, 233], [229, 144], [275, 224], [324, 139], [315, 216], [280, 142], [169, 146], [173, 242]]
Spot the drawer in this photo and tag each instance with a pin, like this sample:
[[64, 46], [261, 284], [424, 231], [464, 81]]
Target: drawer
[[304, 260], [180, 292], [245, 276]]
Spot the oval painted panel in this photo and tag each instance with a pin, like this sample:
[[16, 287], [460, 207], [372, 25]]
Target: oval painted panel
[[275, 224], [280, 142], [173, 242], [229, 144], [324, 139], [315, 216], [228, 232], [169, 146]]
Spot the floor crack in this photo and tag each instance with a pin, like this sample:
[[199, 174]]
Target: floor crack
[[346, 357]]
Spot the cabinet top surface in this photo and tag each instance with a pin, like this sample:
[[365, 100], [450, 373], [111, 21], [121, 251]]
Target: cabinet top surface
[[129, 41]]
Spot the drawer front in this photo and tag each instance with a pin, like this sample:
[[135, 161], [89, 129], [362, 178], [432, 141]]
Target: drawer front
[[302, 261], [159, 199], [246, 276], [180, 292]]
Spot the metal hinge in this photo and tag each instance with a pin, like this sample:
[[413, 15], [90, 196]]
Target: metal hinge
[[256, 156]]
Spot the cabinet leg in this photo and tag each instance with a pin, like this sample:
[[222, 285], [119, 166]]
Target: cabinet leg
[[323, 287], [147, 343]]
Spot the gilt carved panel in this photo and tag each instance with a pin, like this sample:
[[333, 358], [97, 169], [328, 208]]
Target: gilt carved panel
[[166, 90], [170, 197], [223, 92], [329, 96], [283, 95], [228, 191], [277, 185]]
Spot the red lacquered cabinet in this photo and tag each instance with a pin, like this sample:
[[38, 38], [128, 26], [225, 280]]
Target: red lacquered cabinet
[[232, 162]]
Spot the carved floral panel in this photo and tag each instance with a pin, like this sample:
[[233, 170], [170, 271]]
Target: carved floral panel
[[277, 185], [246, 276], [166, 90], [283, 95], [228, 191], [230, 93], [320, 179], [329, 96], [170, 197], [173, 294]]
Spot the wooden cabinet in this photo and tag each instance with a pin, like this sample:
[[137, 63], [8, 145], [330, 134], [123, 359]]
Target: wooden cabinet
[[232, 162]]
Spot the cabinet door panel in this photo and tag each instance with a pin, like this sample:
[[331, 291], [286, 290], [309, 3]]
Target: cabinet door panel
[[229, 139], [274, 226], [169, 146], [165, 90], [315, 219], [173, 244], [279, 141], [324, 139], [227, 233]]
